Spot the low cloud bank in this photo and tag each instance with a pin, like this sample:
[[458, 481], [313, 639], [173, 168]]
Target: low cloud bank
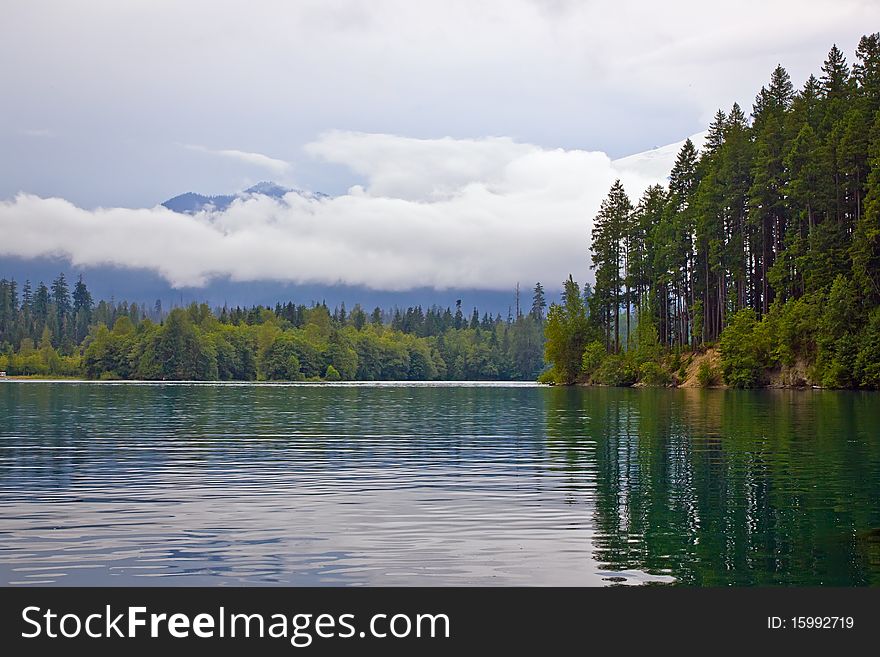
[[481, 213]]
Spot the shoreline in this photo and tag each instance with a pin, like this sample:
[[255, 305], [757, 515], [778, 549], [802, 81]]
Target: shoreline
[[339, 384], [422, 384]]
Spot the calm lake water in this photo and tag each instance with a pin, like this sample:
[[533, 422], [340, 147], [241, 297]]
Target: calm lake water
[[436, 484]]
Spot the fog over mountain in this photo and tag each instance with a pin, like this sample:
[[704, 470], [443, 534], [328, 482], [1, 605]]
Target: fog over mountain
[[461, 146], [192, 202], [435, 218]]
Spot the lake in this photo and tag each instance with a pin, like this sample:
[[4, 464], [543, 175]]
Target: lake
[[436, 484]]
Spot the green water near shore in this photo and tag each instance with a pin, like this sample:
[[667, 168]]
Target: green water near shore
[[436, 483]]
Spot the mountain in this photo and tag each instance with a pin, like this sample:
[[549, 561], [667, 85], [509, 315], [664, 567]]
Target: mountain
[[146, 286], [271, 189], [655, 164], [190, 202]]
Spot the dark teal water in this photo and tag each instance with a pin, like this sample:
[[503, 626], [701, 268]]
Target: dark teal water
[[436, 484]]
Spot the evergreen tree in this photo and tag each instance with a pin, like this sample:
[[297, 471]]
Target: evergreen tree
[[459, 317], [835, 75], [866, 71], [539, 302], [567, 334], [607, 249], [865, 248]]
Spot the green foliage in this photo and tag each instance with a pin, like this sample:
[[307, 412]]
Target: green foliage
[[839, 363], [280, 362], [867, 365], [676, 362], [594, 354], [744, 350], [566, 332], [796, 324], [178, 351], [617, 370], [547, 376], [768, 239], [865, 249], [706, 374], [648, 347], [651, 373], [289, 343], [342, 357], [837, 341], [332, 374], [610, 229]]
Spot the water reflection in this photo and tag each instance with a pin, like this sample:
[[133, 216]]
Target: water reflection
[[435, 484], [729, 487]]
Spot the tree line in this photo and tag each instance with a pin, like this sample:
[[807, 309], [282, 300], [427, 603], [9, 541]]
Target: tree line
[[765, 244], [51, 332]]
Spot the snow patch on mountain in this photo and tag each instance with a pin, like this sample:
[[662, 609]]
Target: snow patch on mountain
[[191, 202], [655, 164]]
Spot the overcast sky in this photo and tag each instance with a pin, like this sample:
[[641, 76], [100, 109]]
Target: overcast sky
[[457, 120]]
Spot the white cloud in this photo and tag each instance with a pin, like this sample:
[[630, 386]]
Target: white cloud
[[415, 169], [477, 213], [618, 76], [252, 159]]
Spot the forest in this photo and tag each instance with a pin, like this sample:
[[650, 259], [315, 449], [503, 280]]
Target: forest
[[757, 264], [51, 331]]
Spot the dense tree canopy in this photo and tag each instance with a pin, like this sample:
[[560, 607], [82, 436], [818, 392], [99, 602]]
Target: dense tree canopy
[[766, 243], [55, 333]]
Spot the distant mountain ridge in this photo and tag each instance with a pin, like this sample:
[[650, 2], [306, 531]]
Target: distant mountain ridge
[[191, 202]]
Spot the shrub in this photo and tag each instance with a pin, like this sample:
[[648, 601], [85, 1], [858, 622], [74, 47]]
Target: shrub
[[837, 345], [547, 376], [706, 375], [677, 363], [744, 350], [868, 359], [647, 340], [332, 374], [797, 322], [683, 367], [616, 370], [839, 369], [294, 372], [594, 354], [653, 374], [567, 333]]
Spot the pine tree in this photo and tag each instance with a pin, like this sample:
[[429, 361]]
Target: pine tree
[[866, 71], [82, 310], [674, 260], [61, 296], [538, 303], [865, 248], [607, 248], [567, 333], [835, 75], [715, 134], [82, 298]]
